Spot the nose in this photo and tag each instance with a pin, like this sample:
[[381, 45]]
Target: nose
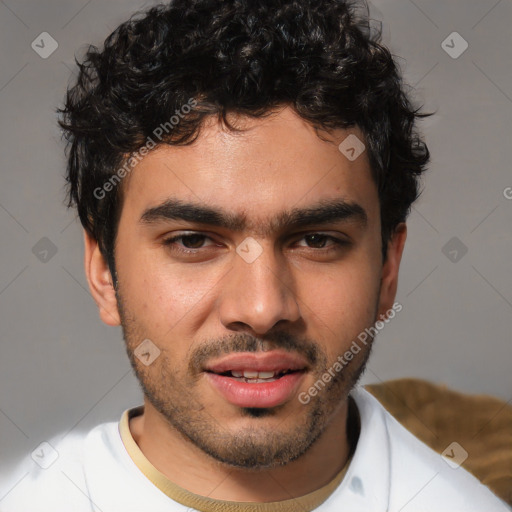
[[258, 295]]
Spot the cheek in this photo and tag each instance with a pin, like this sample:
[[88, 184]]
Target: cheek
[[339, 303], [163, 297]]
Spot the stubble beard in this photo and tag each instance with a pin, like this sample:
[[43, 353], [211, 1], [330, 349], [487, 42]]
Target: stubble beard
[[173, 393]]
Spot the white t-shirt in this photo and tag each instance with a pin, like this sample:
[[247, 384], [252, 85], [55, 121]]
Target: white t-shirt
[[390, 470]]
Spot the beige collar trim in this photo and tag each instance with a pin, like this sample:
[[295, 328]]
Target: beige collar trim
[[304, 503]]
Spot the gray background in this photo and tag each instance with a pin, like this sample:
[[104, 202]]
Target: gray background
[[61, 369]]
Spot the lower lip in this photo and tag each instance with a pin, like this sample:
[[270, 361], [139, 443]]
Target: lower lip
[[261, 394]]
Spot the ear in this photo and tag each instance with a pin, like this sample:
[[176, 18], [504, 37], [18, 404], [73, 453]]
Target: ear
[[389, 276], [100, 282]]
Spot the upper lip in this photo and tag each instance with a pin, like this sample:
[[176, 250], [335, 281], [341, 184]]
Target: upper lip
[[274, 361]]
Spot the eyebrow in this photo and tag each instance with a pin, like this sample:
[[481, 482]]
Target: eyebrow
[[324, 212]]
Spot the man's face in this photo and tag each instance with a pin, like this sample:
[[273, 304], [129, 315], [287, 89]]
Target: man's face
[[285, 302]]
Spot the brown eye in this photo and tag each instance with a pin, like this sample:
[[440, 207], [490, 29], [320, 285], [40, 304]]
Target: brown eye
[[192, 247], [321, 244], [316, 240], [193, 241], [190, 241]]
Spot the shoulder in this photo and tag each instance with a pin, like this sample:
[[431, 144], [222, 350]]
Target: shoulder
[[52, 477], [418, 477]]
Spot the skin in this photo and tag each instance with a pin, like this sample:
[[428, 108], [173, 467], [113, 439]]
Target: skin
[[314, 292]]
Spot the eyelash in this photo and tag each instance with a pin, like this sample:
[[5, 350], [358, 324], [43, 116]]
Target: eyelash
[[337, 242]]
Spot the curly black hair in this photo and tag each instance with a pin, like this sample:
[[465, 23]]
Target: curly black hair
[[321, 57]]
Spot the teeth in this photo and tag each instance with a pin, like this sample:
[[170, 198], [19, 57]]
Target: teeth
[[251, 374], [265, 375]]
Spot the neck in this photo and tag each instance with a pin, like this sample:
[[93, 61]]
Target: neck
[[189, 467]]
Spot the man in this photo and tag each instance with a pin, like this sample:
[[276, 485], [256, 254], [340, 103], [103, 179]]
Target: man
[[243, 171]]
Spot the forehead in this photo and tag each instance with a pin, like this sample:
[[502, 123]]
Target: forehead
[[273, 164]]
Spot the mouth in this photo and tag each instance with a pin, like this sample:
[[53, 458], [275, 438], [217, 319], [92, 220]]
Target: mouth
[[257, 379]]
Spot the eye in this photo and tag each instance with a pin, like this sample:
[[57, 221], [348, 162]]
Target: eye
[[322, 241], [190, 241]]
